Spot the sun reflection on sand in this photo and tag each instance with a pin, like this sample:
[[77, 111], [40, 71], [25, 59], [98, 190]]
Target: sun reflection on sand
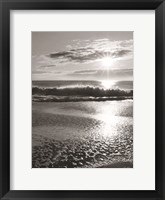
[[109, 121]]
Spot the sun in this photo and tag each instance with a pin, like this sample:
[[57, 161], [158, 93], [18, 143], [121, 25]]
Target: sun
[[107, 61]]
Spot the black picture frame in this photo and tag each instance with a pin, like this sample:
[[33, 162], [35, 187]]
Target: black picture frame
[[5, 7]]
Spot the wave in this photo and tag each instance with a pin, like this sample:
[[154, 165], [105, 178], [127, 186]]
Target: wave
[[81, 91], [79, 94]]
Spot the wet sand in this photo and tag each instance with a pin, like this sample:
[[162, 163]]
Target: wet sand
[[75, 134]]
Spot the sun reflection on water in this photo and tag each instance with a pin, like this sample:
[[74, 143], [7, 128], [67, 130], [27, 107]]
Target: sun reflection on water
[[107, 84]]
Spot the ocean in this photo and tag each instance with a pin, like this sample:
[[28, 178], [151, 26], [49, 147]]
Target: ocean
[[124, 85], [58, 91]]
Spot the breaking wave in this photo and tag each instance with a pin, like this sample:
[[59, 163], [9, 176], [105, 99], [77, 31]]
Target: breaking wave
[[79, 94]]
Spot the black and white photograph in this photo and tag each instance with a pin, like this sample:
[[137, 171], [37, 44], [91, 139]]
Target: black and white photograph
[[82, 99]]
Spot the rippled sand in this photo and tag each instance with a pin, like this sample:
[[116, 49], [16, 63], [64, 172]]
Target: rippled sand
[[82, 134]]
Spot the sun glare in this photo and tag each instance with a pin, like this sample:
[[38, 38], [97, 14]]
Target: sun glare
[[107, 84], [107, 62]]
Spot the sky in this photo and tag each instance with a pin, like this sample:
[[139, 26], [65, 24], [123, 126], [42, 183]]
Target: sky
[[82, 56]]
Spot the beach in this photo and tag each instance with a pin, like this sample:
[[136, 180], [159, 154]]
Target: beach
[[82, 134], [82, 99]]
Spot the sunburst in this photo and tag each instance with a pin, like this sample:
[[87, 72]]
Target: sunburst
[[107, 62]]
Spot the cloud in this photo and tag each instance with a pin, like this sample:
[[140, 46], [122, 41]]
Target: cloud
[[120, 53], [58, 54], [57, 72], [85, 72], [38, 72], [46, 66], [103, 73], [92, 51], [45, 72]]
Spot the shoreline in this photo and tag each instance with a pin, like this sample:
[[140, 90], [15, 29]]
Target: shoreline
[[77, 99]]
